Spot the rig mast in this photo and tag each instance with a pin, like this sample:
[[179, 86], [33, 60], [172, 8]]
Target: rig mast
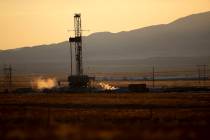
[[79, 80], [77, 40]]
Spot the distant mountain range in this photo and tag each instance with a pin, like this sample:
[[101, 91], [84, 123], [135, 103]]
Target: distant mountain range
[[183, 43]]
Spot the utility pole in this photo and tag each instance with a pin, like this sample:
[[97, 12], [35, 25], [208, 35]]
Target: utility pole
[[202, 73], [199, 74], [153, 76], [205, 72], [7, 78], [71, 55]]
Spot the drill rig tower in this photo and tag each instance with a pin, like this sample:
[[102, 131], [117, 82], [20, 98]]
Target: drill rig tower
[[77, 80]]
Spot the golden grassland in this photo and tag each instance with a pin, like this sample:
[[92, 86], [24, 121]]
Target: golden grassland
[[105, 116]]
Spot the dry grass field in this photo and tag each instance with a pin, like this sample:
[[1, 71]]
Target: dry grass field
[[105, 116]]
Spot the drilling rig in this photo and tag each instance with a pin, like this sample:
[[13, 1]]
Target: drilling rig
[[77, 79]]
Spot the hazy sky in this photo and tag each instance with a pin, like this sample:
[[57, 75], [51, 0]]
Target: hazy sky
[[33, 22]]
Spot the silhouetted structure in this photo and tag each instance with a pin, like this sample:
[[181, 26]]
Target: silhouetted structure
[[79, 80], [202, 73], [7, 78], [153, 76]]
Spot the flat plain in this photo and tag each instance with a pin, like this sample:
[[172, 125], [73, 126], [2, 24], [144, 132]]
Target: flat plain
[[105, 116]]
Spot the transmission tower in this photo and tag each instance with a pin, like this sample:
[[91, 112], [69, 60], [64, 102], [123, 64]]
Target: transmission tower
[[202, 73], [7, 78], [153, 76]]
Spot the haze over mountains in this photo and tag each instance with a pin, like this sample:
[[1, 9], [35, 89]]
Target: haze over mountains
[[183, 43]]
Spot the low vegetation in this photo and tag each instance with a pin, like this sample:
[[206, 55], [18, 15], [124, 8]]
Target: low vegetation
[[105, 116]]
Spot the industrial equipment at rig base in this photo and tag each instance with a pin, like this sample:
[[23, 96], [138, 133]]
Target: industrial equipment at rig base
[[77, 80]]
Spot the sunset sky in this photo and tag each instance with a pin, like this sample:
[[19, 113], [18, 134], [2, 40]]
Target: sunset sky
[[34, 22]]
